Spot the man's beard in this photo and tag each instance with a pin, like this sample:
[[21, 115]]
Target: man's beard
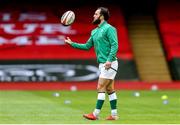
[[97, 21]]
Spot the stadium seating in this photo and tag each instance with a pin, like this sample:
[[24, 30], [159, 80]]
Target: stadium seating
[[35, 34], [168, 15]]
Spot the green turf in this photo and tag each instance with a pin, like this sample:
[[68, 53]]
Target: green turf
[[33, 107]]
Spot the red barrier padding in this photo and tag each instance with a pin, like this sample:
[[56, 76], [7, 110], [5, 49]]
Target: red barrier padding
[[119, 85]]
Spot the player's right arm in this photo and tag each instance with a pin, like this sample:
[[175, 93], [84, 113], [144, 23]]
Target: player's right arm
[[85, 46]]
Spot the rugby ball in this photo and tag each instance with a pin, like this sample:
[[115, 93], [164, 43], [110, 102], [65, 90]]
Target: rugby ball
[[68, 18]]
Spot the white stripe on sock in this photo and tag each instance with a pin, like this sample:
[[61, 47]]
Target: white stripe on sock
[[96, 112], [114, 112], [112, 96]]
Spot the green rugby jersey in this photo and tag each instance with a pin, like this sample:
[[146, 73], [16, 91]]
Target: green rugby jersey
[[105, 42]]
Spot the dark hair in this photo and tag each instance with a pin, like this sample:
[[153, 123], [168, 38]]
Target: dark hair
[[105, 12]]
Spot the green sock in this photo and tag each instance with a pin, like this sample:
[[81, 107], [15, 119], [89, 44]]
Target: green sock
[[99, 103], [113, 103]]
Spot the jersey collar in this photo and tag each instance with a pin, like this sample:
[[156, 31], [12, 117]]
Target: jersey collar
[[103, 23]]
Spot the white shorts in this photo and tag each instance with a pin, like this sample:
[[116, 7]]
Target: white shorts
[[110, 73]]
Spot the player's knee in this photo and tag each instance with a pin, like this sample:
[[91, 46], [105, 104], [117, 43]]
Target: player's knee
[[109, 90]]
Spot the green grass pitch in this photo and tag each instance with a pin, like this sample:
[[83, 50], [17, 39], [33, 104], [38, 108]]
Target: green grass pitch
[[34, 107]]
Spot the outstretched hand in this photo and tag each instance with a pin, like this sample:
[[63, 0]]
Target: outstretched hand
[[68, 40]]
